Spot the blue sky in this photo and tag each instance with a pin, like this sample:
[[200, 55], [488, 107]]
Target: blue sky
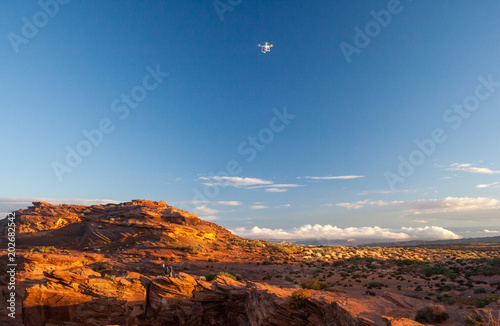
[[421, 71]]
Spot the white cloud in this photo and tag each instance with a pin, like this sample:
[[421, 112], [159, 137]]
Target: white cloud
[[229, 203], [332, 232], [455, 204], [248, 183], [278, 185], [258, 207], [236, 182], [204, 210], [276, 190], [490, 231], [448, 204], [349, 205], [341, 177], [489, 185], [467, 167], [364, 193], [202, 202]]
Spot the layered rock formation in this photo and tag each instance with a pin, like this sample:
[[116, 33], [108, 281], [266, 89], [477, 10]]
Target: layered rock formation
[[83, 297], [138, 224]]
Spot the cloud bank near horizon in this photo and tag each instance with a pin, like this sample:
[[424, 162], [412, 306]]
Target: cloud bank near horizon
[[318, 231]]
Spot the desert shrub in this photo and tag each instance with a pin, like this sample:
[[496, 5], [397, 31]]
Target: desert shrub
[[314, 284], [104, 266], [289, 278], [418, 288], [278, 247], [432, 314], [480, 290], [299, 298], [491, 268], [375, 284], [437, 270], [212, 276], [192, 249], [486, 300], [371, 293], [447, 297], [267, 262], [447, 287], [406, 262], [42, 249]]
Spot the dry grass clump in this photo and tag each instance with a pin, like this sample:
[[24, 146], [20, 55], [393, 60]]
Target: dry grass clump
[[475, 319]]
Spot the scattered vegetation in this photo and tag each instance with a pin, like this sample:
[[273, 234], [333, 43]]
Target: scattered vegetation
[[437, 270], [375, 285], [42, 249]]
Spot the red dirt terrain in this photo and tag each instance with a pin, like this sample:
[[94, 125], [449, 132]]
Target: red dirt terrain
[[102, 265]]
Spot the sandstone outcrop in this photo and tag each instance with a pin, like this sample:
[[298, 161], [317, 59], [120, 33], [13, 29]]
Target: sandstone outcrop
[[137, 224], [85, 298]]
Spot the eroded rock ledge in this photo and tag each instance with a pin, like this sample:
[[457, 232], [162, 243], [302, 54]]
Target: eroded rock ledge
[[86, 298]]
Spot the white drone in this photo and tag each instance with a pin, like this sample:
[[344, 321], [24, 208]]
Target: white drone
[[266, 47]]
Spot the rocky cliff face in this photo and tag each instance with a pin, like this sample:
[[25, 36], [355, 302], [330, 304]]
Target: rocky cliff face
[[83, 297]]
